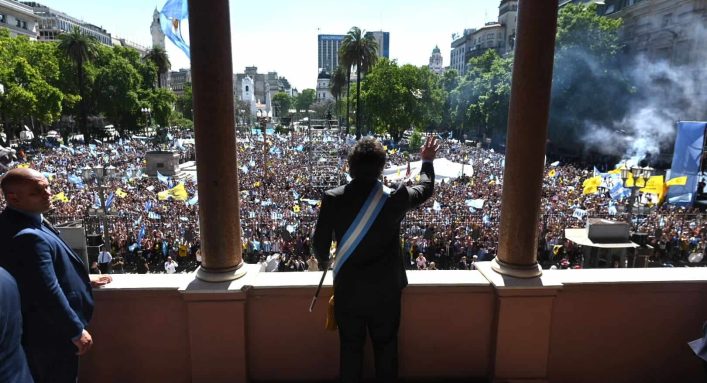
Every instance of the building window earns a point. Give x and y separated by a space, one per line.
24 25
3 18
18 23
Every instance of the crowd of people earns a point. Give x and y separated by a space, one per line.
279 202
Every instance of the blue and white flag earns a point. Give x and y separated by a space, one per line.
163 179
194 200
244 169
109 200
617 191
68 149
436 206
141 235
76 180
96 201
153 215
172 17
148 205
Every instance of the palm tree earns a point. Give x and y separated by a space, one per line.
80 48
158 56
358 49
338 81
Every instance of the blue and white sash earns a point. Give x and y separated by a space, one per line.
359 227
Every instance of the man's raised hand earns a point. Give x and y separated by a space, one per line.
429 149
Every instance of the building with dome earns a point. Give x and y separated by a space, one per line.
436 61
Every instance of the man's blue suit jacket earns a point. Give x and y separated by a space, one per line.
13 363
57 300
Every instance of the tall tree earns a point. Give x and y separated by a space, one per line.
358 49
283 101
81 49
401 98
338 82
158 56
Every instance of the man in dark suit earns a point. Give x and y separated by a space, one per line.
55 290
368 286
13 363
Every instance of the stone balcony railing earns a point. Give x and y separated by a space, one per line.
601 325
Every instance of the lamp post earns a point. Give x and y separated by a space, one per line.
263 119
97 176
147 112
637 173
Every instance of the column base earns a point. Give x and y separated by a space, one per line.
220 275
530 271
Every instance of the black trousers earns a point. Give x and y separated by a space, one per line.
381 321
53 363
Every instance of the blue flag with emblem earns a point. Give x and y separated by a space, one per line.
360 225
172 17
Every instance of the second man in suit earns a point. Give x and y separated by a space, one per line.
55 289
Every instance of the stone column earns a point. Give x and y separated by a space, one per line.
527 134
216 168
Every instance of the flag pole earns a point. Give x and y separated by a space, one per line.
319 288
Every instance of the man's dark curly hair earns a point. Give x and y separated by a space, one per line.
367 159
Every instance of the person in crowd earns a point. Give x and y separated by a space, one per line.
170 266
105 261
56 295
312 264
368 285
421 262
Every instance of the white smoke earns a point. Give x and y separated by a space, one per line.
665 93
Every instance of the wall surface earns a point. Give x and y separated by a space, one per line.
623 325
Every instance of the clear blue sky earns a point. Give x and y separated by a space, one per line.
281 35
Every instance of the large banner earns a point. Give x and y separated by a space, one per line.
687 159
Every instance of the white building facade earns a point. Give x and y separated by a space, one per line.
52 23
18 18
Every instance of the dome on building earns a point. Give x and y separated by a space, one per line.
436 50
323 74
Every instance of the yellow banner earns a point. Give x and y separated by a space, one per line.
178 192
60 197
120 193
677 181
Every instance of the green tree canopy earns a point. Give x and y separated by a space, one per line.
401 98
283 101
305 99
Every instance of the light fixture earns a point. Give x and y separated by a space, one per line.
624 172
637 171
647 172
110 171
86 173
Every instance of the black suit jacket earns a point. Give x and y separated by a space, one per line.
13 363
57 300
375 271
